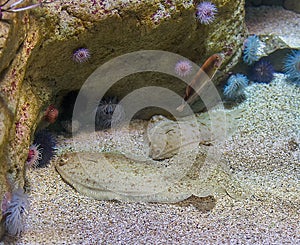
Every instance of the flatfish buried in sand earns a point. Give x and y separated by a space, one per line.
175 177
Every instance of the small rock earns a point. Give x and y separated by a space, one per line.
293 5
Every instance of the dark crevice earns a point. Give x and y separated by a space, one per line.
5 71
20 47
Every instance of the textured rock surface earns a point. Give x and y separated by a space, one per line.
293 5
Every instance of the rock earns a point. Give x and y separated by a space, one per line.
275 49
293 5
272 2
5 125
255 2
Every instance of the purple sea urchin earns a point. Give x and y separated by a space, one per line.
81 55
292 66
47 144
252 49
109 113
183 68
34 155
16 212
262 71
235 86
206 12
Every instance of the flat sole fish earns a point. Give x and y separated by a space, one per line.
114 176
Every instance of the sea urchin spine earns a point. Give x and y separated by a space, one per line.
34 156
16 212
262 71
109 113
81 55
235 86
206 12
183 68
252 49
47 144
292 66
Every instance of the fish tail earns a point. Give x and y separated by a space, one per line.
181 107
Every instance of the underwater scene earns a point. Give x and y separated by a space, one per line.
150 121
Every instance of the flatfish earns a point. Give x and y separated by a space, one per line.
168 175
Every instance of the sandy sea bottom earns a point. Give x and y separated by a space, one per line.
263 154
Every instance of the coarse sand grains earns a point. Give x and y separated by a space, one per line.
263 153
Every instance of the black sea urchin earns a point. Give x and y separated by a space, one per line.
109 113
47 144
262 71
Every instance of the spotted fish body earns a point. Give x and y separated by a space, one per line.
166 137
200 81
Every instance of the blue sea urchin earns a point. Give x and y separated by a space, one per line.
252 49
47 145
109 113
292 66
183 68
16 212
235 86
206 12
262 71
81 55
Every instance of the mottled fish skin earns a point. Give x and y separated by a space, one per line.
204 75
166 137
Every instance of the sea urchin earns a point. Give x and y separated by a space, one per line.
81 55
235 86
16 212
109 113
183 68
34 156
262 71
252 49
206 12
292 66
47 144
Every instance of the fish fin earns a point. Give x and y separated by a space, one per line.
181 107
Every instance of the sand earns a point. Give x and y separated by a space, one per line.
263 154
274 20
